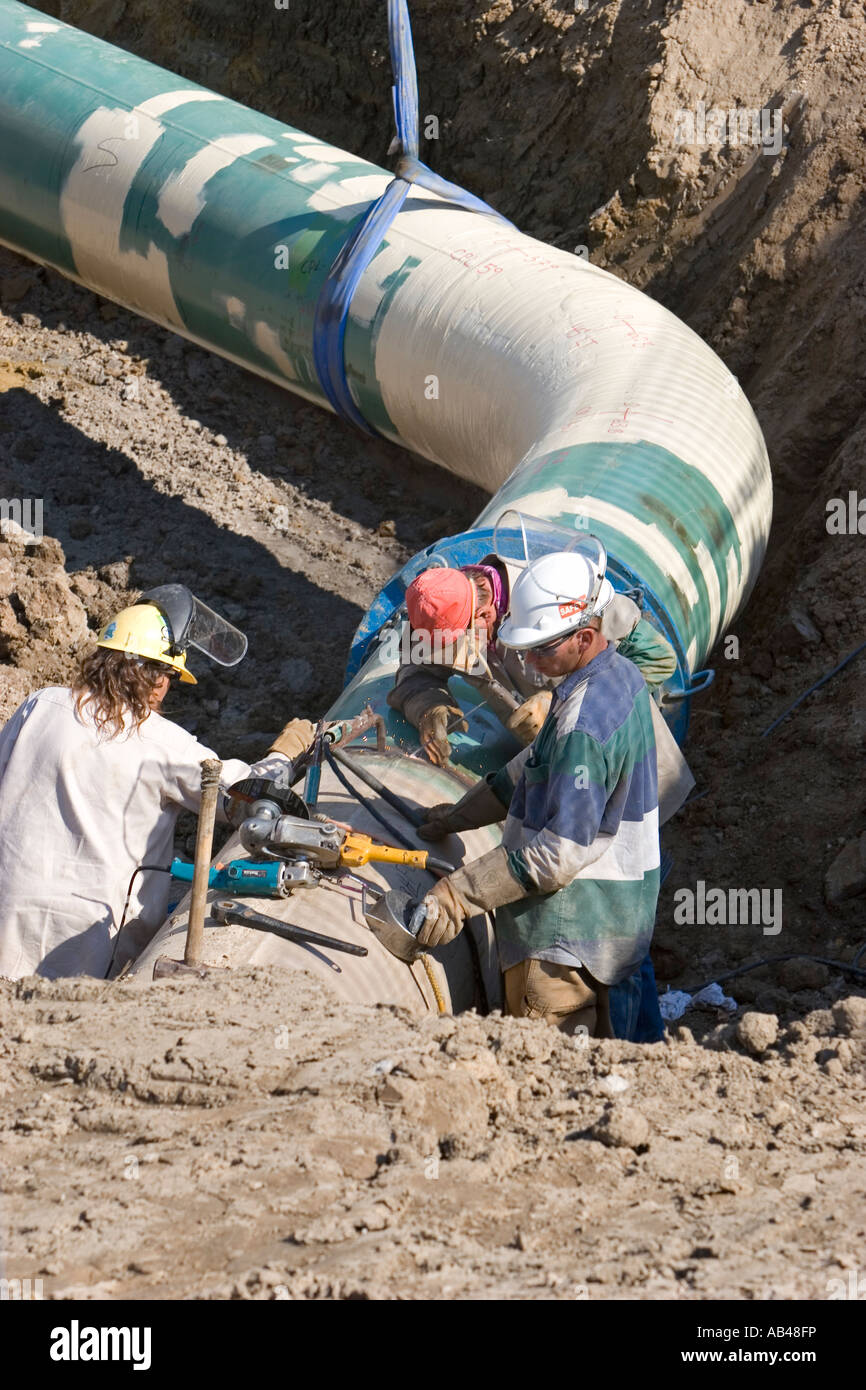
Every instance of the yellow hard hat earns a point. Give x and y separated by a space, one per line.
142 631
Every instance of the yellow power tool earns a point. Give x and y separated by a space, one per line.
357 850
309 847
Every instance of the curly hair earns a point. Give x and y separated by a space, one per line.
113 684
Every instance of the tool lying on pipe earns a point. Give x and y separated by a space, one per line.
247 877
318 845
395 919
229 913
274 823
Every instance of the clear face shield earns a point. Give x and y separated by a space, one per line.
519 539
193 624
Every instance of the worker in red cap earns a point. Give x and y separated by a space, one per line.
441 600
460 611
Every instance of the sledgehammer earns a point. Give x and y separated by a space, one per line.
210 783
210 786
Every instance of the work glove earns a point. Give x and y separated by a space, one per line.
478 887
480 806
433 732
527 719
295 738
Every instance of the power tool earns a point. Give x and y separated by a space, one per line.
288 849
396 919
323 845
270 879
332 736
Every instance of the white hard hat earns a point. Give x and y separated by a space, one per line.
555 595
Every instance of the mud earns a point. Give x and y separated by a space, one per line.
235 1138
155 461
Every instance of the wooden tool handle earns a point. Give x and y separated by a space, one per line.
210 785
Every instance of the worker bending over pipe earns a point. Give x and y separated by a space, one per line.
92 780
461 612
575 881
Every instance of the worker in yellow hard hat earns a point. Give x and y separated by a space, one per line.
142 631
92 780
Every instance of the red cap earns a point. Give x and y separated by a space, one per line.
440 600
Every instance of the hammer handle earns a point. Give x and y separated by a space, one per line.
210 785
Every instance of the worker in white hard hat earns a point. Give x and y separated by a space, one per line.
92 779
575 881
516 688
464 604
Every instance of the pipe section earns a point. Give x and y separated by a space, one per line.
521 367
554 385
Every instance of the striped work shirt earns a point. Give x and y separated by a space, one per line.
582 827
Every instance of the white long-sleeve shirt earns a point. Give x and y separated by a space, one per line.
79 813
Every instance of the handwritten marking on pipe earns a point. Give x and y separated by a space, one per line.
582 336
92 212
620 422
466 257
108 163
638 339
620 418
497 247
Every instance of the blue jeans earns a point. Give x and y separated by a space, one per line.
634 1006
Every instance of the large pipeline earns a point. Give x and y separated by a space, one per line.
528 370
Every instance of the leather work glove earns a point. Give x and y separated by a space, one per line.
478 887
433 731
480 806
295 738
527 719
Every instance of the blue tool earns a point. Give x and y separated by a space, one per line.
270 879
314 766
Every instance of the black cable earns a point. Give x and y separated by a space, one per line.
436 864
368 806
142 868
817 686
364 801
843 965
415 815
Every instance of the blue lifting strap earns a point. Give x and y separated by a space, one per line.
337 292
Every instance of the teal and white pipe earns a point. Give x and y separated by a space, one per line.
561 389
523 368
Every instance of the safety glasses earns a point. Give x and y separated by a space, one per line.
550 647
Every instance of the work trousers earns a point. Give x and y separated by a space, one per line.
571 999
